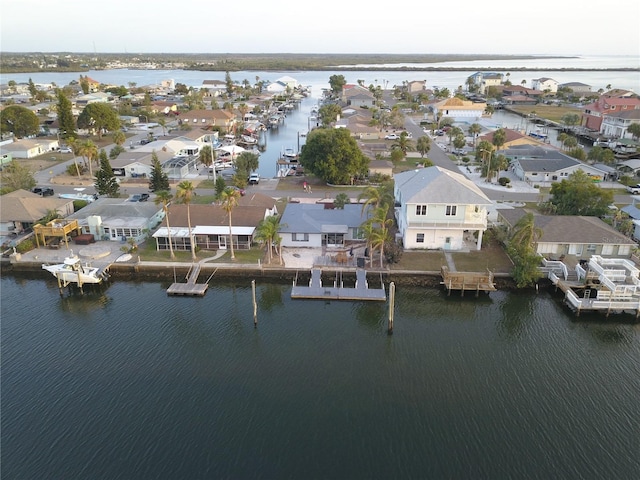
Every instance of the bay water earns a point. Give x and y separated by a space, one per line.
125 382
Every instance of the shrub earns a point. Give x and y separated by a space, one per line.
504 181
392 252
25 246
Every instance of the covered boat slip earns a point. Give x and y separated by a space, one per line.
315 289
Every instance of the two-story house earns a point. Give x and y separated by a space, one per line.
594 113
439 209
545 84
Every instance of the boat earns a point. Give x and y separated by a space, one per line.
73 271
87 197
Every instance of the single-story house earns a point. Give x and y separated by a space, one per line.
439 209
20 210
580 236
210 226
544 166
116 219
318 225
29 147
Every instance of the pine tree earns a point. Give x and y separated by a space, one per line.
159 180
106 183
66 122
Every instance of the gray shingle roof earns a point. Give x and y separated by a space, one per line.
311 217
436 185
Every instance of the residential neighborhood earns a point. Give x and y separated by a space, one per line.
441 206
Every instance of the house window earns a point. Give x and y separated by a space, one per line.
420 238
358 233
451 210
591 248
421 209
300 237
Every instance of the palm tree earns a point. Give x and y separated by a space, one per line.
164 197
376 196
423 145
267 233
119 137
474 130
229 200
377 231
89 152
403 143
184 194
75 147
525 235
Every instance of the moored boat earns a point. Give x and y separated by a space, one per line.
73 271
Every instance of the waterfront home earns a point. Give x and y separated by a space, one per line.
543 166
576 87
213 88
483 80
357 96
545 84
616 124
223 119
437 208
580 236
117 219
320 225
457 109
20 210
210 226
512 138
594 113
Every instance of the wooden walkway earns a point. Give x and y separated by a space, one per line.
338 291
191 288
467 281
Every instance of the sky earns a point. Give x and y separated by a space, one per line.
562 27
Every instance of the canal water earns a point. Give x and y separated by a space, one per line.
128 383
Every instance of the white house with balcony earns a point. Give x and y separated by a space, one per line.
437 208
545 84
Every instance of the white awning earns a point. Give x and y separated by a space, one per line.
175 232
219 230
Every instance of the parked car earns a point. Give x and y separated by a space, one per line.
392 136
139 197
238 189
634 189
43 191
66 150
254 179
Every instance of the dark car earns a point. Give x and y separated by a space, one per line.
139 197
43 191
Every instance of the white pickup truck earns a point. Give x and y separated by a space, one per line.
634 189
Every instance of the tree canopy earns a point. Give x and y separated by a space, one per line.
158 180
578 195
336 82
334 156
106 183
99 117
19 120
66 122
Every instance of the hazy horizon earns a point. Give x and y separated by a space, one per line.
330 27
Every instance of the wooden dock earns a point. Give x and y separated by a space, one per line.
315 289
191 288
467 281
